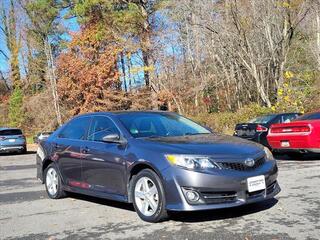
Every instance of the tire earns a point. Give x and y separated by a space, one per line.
24 150
146 190
53 183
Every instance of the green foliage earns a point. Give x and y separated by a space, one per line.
16 113
43 13
225 121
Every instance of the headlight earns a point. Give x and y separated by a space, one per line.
191 162
269 155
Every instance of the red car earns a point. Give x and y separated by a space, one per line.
302 135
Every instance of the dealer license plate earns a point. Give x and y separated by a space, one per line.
256 183
285 144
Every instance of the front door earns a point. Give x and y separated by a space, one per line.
103 164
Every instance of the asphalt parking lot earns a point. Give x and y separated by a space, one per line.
27 213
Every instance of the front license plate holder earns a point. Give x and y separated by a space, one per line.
256 183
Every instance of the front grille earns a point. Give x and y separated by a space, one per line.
271 187
218 197
255 194
241 166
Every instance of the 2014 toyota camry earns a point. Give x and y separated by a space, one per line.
159 161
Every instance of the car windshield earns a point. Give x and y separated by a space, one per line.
262 119
309 116
10 132
160 125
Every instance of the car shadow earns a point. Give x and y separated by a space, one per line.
197 216
222 214
16 153
304 157
102 201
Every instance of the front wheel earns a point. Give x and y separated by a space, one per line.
53 183
148 196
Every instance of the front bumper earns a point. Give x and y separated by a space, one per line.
17 148
221 189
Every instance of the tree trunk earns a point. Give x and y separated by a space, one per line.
53 81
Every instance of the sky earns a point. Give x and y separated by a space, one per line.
72 25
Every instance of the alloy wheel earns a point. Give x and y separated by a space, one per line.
146 196
52 181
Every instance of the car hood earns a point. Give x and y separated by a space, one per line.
204 144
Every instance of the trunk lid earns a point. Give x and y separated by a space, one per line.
245 130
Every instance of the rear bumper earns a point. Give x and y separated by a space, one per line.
258 137
12 148
307 142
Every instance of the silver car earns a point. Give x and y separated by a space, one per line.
12 140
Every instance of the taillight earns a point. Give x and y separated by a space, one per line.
2 138
294 129
261 128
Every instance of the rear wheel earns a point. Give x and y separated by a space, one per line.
24 150
148 196
53 183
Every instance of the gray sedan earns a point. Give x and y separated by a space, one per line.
159 161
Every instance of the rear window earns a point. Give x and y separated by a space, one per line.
309 116
10 132
262 119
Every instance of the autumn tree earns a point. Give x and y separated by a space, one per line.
43 35
88 74
12 39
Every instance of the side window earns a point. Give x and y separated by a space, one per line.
289 118
100 127
76 129
277 120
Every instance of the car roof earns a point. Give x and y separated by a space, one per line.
114 113
279 114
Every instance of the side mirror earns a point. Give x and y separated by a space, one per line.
113 138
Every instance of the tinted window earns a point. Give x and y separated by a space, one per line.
10 132
289 118
100 127
160 125
310 116
76 129
262 119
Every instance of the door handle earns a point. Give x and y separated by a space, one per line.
85 150
56 146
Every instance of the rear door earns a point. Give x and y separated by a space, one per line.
103 165
67 150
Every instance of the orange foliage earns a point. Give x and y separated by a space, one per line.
88 78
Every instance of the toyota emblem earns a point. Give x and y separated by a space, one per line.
249 162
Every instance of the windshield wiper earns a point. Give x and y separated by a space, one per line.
190 134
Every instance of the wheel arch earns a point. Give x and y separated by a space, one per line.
135 170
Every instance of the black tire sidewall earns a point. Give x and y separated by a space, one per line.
161 212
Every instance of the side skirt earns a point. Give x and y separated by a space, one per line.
109 196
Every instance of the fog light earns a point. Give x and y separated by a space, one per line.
192 196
